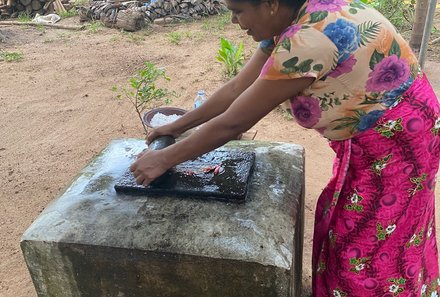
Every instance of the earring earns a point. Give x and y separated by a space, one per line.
271 12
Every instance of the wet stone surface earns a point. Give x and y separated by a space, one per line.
92 241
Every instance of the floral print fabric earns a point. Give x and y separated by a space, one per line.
361 65
375 225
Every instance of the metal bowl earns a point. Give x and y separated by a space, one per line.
166 110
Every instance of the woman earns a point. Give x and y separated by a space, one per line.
352 78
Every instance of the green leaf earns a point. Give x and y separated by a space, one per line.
387 158
291 62
345 125
289 70
286 44
359 5
359 112
231 56
358 208
222 56
395 49
376 57
318 16
302 13
368 31
225 44
305 65
353 11
318 67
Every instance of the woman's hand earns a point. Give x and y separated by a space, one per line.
149 166
161 131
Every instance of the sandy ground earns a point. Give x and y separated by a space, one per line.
57 111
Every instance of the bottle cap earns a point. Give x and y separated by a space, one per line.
201 92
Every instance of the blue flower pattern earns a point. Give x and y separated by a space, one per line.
391 97
368 120
345 35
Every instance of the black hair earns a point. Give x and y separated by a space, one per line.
296 4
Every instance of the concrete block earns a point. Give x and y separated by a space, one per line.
94 242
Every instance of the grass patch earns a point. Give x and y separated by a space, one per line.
217 23
11 56
69 13
94 27
135 38
24 17
175 37
400 13
40 28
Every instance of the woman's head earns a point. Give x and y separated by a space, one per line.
296 4
263 19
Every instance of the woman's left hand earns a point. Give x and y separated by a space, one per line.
149 166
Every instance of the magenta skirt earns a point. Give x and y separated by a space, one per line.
375 226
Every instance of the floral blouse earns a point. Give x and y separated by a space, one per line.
361 64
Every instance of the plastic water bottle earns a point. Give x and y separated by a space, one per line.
200 98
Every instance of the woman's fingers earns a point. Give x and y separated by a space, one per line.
151 136
140 179
147 167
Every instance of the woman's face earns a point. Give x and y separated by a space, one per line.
256 19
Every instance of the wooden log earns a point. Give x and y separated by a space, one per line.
28 9
59 7
436 40
36 5
46 6
130 20
56 26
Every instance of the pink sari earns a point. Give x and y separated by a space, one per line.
375 225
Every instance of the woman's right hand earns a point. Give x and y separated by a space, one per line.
160 131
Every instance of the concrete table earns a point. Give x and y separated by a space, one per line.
94 242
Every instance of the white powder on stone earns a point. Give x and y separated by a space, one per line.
159 119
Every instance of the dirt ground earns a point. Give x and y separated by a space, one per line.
57 111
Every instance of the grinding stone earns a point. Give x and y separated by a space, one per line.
194 178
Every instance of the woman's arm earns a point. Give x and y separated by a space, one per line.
219 101
252 105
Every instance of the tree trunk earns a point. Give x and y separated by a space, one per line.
36 5
419 24
130 20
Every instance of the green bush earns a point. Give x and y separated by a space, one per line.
399 12
144 94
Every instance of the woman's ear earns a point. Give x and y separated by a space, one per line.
273 6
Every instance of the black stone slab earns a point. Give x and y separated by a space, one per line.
195 178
